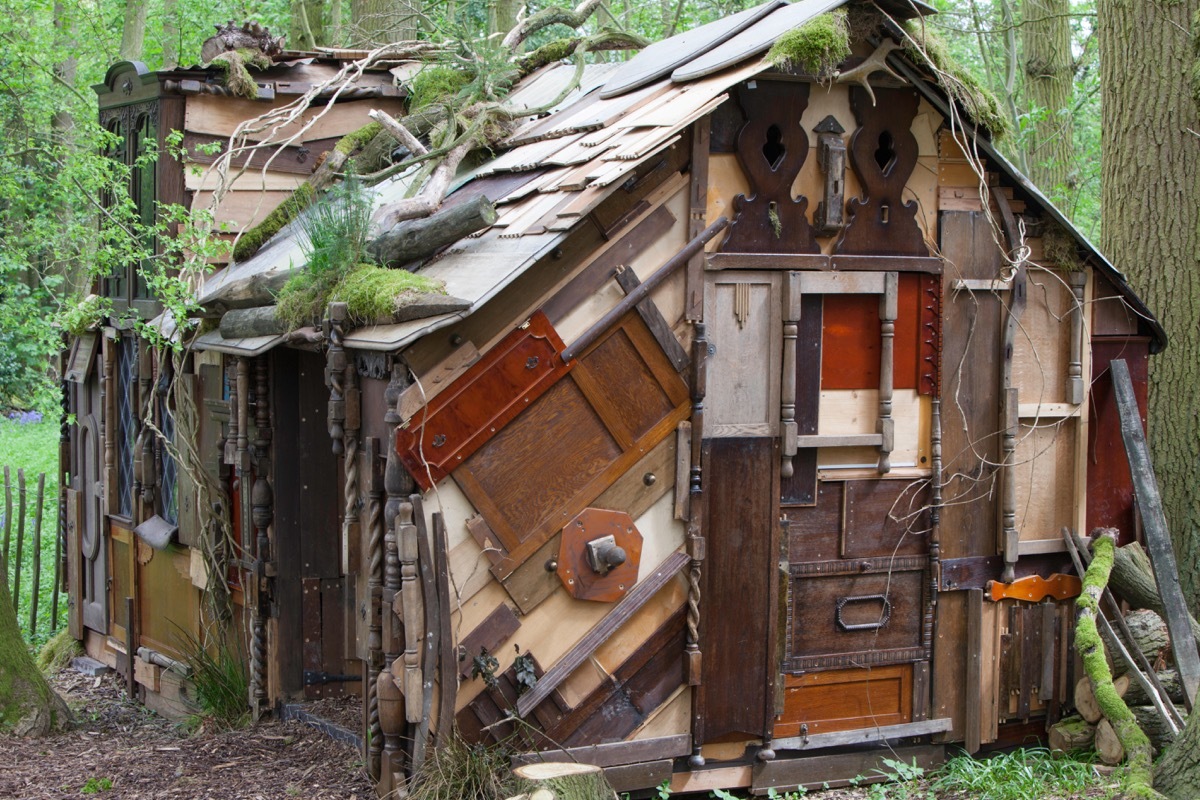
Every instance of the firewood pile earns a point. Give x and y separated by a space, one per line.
1138 649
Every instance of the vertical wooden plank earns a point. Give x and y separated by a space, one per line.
74 572
310 614
1158 539
974 703
801 487
735 600
693 306
1109 484
332 636
970 442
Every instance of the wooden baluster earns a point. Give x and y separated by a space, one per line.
335 375
108 426
787 390
413 608
262 510
888 310
1075 393
1008 497
375 519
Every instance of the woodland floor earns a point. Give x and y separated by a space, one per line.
120 749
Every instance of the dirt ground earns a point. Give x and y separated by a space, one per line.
120 749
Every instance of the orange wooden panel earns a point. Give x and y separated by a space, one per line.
850 339
481 401
846 699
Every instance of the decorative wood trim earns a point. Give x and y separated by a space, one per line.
840 440
693 304
622 611
805 262
888 311
858 566
614 754
898 655
819 741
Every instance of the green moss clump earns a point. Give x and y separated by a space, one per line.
371 292
1060 250
816 47
253 239
435 84
980 105
58 652
351 143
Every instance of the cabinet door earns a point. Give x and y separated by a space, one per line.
743 315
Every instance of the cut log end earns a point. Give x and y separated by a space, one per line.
562 781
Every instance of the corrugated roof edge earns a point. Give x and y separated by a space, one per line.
939 101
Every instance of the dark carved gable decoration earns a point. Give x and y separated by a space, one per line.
883 153
771 148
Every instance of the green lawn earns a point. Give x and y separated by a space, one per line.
33 447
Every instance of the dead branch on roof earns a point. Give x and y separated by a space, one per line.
554 15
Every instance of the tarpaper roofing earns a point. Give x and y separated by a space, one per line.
558 166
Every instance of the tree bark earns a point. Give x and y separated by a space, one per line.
133 32
1150 197
378 22
28 706
243 323
306 28
1049 82
415 239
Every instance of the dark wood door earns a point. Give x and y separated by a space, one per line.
308 590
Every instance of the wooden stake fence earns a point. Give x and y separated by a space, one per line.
36 544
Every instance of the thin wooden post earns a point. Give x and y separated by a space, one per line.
1158 538
7 511
37 554
20 541
58 555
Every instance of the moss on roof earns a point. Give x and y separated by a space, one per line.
816 47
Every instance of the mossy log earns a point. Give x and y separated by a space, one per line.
1091 650
244 323
1071 733
562 781
415 239
249 292
1169 678
1108 744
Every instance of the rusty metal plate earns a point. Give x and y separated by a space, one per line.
582 579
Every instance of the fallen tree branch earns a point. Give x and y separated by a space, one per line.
555 15
1091 649
399 130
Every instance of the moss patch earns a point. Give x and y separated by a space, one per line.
233 66
1060 250
58 652
435 85
372 292
816 47
980 105
253 239
351 143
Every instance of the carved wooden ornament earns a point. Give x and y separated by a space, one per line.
599 555
883 154
771 148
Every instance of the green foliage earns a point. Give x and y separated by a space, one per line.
335 232
33 446
1024 773
980 104
220 676
372 293
816 47
435 85
96 786
58 652
85 314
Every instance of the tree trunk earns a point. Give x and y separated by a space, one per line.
415 239
133 33
1151 230
378 22
28 706
170 37
1049 81
1177 774
306 28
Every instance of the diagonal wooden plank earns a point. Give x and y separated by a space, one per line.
1154 525
628 605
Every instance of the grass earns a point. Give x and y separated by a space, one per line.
33 447
220 676
1021 774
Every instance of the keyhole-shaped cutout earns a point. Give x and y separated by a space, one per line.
885 156
773 148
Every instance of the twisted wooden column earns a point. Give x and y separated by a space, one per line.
695 534
335 375
386 560
262 503
374 591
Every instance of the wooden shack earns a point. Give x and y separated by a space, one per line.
759 389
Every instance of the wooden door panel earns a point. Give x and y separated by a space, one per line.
847 618
846 699
736 595
744 317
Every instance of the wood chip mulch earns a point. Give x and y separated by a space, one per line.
120 749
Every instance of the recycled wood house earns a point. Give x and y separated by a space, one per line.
754 386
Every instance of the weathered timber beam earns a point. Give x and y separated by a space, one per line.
256 290
243 323
415 239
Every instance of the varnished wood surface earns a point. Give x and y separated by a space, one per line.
735 596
